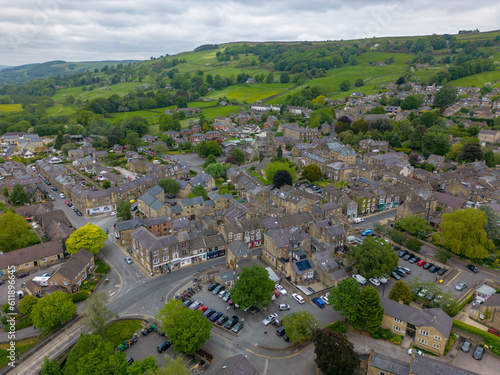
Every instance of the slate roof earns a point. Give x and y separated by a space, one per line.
156 220
128 224
325 260
238 248
192 201
339 274
449 200
422 365
75 264
390 365
417 317
335 230
237 365
29 254
155 190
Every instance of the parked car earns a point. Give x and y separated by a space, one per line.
218 289
163 346
202 308
231 322
367 232
254 310
414 260
324 299
281 289
269 319
311 290
129 359
426 266
128 260
466 346
280 331
406 269
408 256
494 331
226 297
461 286
298 298
360 279
400 272
473 268
421 263
422 293
478 352
419 352
23 274
187 302
395 275
237 327
215 317
319 302
283 307
382 279
442 271
213 286
374 281
434 269
195 305
358 220
222 293
147 330
402 253
208 313
223 319
395 248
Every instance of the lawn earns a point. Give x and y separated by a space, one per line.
120 89
250 93
11 107
101 266
478 80
213 112
117 332
22 346
260 178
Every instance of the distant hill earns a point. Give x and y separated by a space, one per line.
25 73
2 67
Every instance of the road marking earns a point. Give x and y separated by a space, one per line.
459 272
265 367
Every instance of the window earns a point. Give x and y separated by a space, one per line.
435 346
155 253
424 333
184 244
44 260
65 283
201 251
396 328
27 265
422 341
165 258
175 255
195 252
174 247
438 338
156 261
398 320
184 252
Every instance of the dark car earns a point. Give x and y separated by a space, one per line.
408 256
218 289
163 346
426 266
129 359
402 253
215 317
442 271
286 338
400 272
187 302
433 269
414 260
21 275
396 248
474 269
478 352
147 330
171 196
231 322
280 331
54 188
223 319
254 310
395 275
78 213
466 346
213 286
237 327
208 313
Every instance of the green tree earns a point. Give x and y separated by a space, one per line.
123 210
369 312
341 126
106 184
373 258
413 244
284 78
463 233
190 331
59 141
239 155
97 314
169 185
446 96
276 166
89 237
253 288
359 82
92 355
26 304
416 226
175 366
146 366
169 314
133 140
199 191
489 159
334 353
209 160
18 196
215 170
15 232
401 292
282 177
491 226
345 297
50 367
270 77
412 102
299 326
345 85
5 192
52 310
205 148
435 143
312 172
471 152
360 126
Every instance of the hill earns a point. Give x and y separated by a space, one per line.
25 73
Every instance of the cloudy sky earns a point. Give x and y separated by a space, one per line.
87 30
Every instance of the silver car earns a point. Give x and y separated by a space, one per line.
461 286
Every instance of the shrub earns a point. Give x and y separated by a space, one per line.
338 326
79 296
413 244
374 336
450 343
396 340
489 338
6 307
384 334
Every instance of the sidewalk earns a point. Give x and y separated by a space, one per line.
22 334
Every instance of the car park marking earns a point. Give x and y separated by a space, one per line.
448 283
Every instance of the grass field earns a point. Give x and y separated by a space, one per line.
220 111
11 107
250 93
21 346
121 89
116 333
478 80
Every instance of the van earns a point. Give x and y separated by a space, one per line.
41 280
62 196
358 220
163 346
20 294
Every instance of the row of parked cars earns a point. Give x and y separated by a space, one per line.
411 258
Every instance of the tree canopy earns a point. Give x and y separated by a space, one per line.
282 177
18 196
446 96
123 210
299 326
491 227
169 185
312 172
463 233
97 314
199 191
373 258
205 148
253 288
416 226
89 237
52 310
334 353
214 169
401 292
345 297
369 313
15 232
272 168
239 155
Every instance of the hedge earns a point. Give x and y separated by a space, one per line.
79 296
489 338
338 326
396 339
450 343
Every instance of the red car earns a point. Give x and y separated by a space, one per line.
67 202
277 293
203 308
420 263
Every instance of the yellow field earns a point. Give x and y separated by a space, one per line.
11 107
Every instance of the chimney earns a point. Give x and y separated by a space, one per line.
401 302
434 319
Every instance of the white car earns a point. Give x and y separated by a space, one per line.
324 299
422 293
281 289
358 220
270 318
410 351
284 306
298 298
360 279
113 213
382 279
374 281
